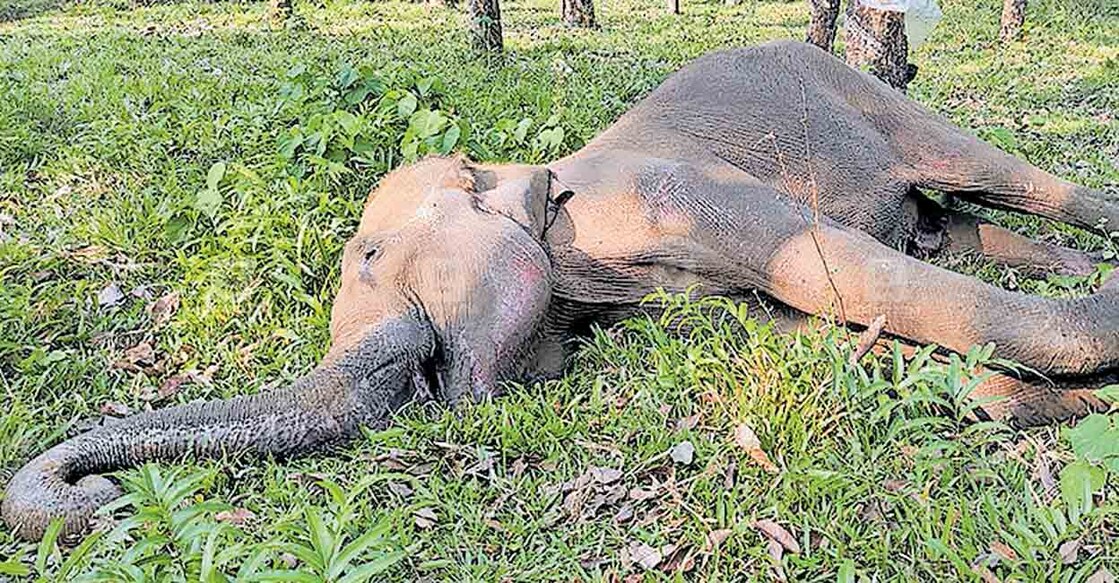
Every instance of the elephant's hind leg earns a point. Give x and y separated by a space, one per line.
968 233
941 157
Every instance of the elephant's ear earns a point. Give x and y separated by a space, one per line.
518 192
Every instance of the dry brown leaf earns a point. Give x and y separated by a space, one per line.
170 387
894 486
778 533
985 574
115 409
644 555
1069 551
139 356
689 422
639 494
400 489
680 561
624 514
745 437
1101 576
237 516
162 309
716 538
519 466
109 296
1003 551
425 518
682 453
776 552
605 475
141 292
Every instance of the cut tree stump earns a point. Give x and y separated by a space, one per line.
1013 18
876 41
578 13
821 24
280 10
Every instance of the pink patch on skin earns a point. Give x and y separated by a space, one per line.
513 305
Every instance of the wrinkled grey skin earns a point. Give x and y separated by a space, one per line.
773 172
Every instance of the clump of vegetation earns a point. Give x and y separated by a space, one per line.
176 183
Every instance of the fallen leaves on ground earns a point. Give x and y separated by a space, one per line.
140 357
682 453
647 557
595 489
745 437
115 409
164 308
109 296
425 518
1069 551
777 533
236 516
716 538
1101 576
1003 551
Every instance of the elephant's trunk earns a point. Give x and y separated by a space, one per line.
328 405
63 481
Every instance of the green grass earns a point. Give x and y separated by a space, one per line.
192 148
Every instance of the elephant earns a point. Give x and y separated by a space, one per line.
773 174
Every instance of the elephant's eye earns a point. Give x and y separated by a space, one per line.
370 252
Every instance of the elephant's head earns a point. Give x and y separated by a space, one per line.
443 289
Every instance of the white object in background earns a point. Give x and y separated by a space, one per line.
920 20
921 16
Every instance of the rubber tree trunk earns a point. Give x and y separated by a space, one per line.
674 6
1013 17
281 10
876 41
578 13
485 23
821 23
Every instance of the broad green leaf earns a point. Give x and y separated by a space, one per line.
1110 393
214 175
375 567
1079 481
406 105
450 139
14 568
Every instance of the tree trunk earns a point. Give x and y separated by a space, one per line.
821 24
485 22
578 13
1013 17
876 40
674 6
281 10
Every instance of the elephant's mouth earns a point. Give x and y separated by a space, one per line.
429 378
